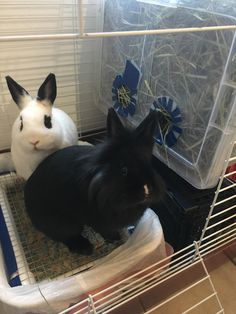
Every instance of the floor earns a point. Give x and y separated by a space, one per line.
222 269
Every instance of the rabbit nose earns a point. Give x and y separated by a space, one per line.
34 142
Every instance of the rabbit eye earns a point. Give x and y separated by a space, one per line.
124 171
21 123
47 122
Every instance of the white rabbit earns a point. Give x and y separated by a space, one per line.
40 129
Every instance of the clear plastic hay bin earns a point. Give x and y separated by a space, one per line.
196 70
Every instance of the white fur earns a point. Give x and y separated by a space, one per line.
63 133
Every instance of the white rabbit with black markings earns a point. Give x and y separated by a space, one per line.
40 129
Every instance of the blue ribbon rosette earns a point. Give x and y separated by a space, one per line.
168 130
124 90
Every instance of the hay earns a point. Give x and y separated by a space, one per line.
46 258
187 67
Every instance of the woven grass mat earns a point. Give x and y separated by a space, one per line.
46 258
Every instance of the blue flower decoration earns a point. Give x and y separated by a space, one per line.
168 130
124 90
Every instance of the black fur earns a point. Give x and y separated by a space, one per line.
47 122
48 90
21 123
101 186
17 91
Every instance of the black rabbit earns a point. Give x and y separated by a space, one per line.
107 186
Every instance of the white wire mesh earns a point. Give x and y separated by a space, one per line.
38 258
29 62
113 297
212 237
124 292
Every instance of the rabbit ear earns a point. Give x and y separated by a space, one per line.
18 93
48 90
147 127
114 125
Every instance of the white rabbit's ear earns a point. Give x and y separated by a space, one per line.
18 93
48 90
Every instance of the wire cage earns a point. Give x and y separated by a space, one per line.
70 44
123 292
111 298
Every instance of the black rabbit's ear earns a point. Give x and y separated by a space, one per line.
48 90
18 93
147 127
114 125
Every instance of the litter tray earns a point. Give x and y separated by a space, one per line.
29 255
36 273
195 70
